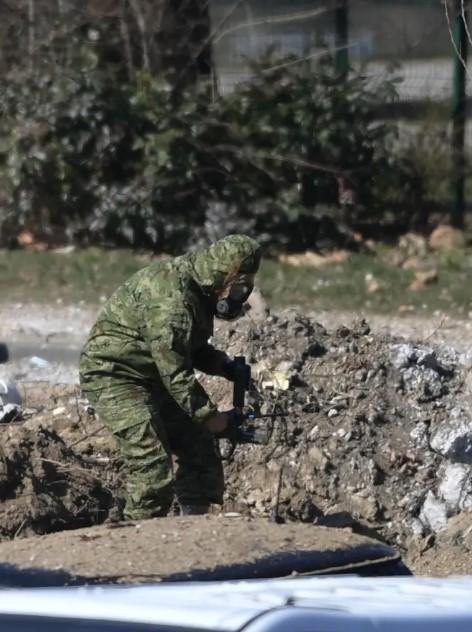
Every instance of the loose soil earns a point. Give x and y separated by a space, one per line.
362 449
197 547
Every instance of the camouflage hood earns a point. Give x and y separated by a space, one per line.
232 255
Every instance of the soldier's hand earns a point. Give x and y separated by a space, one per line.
217 423
225 424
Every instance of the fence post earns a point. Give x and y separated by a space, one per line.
459 96
341 38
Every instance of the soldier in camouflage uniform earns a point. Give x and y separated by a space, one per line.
137 370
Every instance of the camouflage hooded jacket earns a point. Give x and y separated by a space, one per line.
155 327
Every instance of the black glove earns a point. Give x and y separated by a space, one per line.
229 369
233 429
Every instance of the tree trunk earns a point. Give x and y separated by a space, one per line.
126 38
186 41
31 34
137 10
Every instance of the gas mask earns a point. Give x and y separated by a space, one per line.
231 306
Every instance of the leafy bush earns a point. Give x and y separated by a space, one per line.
86 158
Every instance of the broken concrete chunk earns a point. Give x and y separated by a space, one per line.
455 488
39 363
445 238
434 513
423 373
403 355
318 458
364 507
9 413
453 437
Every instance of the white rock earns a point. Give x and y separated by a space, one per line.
39 363
455 487
59 411
453 438
434 513
417 527
403 355
9 413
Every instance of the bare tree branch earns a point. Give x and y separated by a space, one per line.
300 60
464 17
282 19
451 35
141 22
211 36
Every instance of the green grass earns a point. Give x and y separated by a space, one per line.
91 275
344 286
84 275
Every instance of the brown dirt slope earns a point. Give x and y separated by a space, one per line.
196 547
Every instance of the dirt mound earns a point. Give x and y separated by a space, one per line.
377 436
197 548
447 552
45 484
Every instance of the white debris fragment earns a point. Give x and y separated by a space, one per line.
39 363
403 355
434 513
455 487
417 527
9 412
453 438
61 410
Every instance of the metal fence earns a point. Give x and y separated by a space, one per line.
411 40
411 35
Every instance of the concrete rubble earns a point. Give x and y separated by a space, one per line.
378 434
10 403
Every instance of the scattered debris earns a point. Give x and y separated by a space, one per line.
422 279
26 239
372 284
9 413
39 363
446 238
409 252
377 428
377 439
316 260
406 309
433 513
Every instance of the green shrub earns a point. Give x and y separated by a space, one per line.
86 158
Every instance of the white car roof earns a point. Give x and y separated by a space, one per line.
390 602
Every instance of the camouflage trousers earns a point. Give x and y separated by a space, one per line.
151 429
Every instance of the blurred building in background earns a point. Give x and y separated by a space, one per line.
411 35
